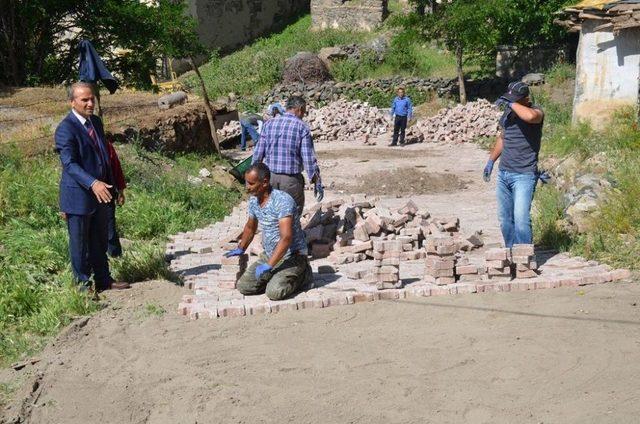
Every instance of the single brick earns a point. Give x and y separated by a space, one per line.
522 250
497 254
499 271
258 309
620 274
439 272
525 260
435 262
445 280
528 273
496 264
361 297
466 269
391 294
225 310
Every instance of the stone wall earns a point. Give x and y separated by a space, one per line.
513 63
348 14
228 24
331 90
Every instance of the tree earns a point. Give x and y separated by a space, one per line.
466 27
39 38
529 23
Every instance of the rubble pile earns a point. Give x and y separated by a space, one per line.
345 120
460 124
358 230
230 129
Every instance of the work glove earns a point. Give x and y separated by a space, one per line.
234 252
486 174
261 269
544 176
503 102
318 190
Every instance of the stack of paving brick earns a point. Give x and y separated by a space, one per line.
523 256
467 272
386 264
498 264
231 270
441 260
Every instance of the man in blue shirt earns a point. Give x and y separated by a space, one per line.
286 147
283 268
401 112
518 146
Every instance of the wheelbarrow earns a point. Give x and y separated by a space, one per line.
239 170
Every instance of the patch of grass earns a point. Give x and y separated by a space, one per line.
559 73
548 210
151 309
615 224
258 67
37 294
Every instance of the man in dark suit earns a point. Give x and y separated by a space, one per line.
86 189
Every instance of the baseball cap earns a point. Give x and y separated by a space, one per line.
516 91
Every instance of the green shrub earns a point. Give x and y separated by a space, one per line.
37 294
559 73
548 210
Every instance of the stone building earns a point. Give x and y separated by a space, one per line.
228 24
362 15
608 57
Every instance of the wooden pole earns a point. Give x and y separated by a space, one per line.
463 91
207 106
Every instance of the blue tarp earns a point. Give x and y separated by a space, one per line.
92 68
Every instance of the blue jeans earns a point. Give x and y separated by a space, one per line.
247 129
515 194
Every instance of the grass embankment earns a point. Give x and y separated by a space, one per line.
615 226
37 296
258 67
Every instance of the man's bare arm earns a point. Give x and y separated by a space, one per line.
286 236
497 148
248 233
527 114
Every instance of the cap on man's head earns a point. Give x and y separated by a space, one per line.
516 90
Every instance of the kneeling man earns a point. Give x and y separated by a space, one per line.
283 268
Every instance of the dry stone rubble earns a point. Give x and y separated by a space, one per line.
459 124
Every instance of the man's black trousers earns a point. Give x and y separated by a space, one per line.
399 128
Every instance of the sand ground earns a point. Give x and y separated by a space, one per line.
544 356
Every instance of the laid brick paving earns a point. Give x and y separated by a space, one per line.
197 257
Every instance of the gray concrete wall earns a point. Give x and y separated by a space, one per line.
228 24
607 72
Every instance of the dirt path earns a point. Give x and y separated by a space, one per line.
567 355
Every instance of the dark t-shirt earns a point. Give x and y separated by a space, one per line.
521 143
